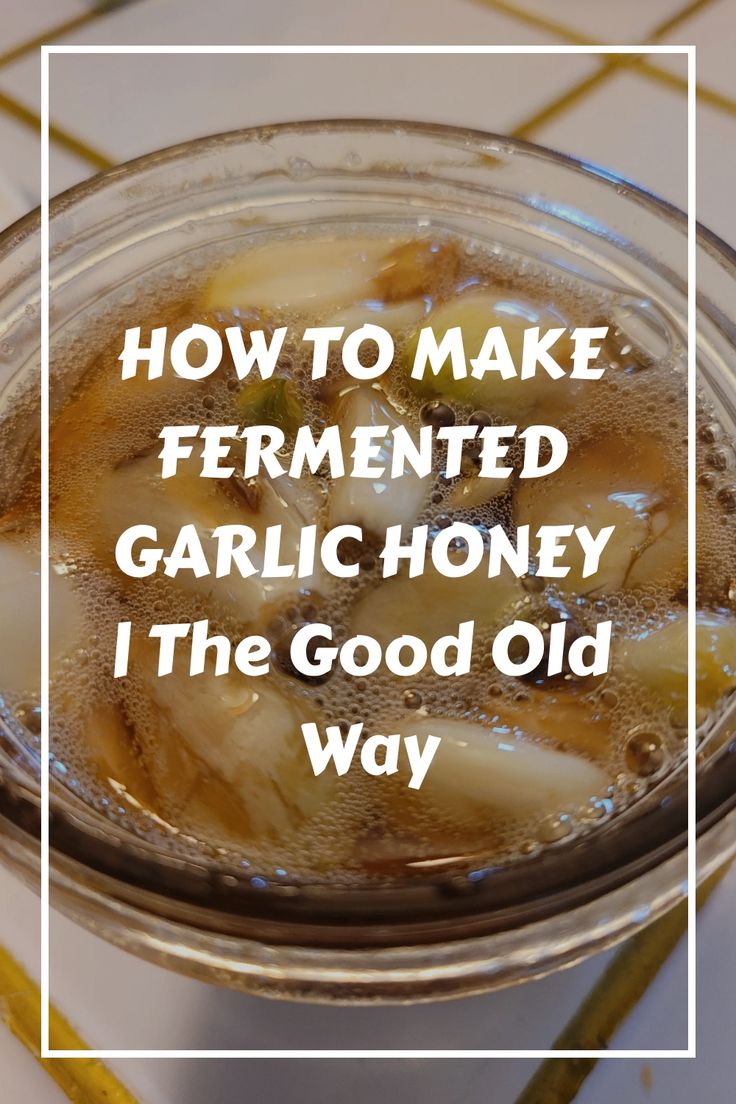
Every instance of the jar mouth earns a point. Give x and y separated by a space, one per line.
567 875
471 139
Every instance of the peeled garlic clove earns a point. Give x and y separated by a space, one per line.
391 316
597 511
625 482
20 614
416 268
494 767
571 723
293 503
657 659
97 448
474 491
245 731
135 493
431 605
111 745
716 580
298 275
20 609
376 503
475 312
289 502
666 557
715 646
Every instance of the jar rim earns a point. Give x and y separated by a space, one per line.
29 223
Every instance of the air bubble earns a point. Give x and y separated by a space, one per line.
726 498
639 335
555 828
609 698
300 168
717 459
29 715
644 753
709 433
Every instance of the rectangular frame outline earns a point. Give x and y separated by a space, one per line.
690 52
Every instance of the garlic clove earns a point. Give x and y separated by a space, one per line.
473 490
431 605
304 274
378 503
657 658
20 612
559 716
421 267
625 482
496 768
476 311
135 493
245 731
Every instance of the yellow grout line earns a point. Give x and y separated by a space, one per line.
567 99
678 17
100 161
569 34
33 44
23 114
82 1080
612 998
611 66
557 1080
637 62
57 31
63 138
705 94
560 30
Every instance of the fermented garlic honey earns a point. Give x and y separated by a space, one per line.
212 758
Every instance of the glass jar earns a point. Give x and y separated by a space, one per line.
447 935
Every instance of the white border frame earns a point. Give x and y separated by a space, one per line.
46 52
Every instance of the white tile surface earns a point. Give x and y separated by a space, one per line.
624 21
713 30
633 126
717 172
13 203
710 1077
639 128
317 1081
124 105
181 1013
23 21
21 169
178 1012
129 105
22 1078
115 1000
222 21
